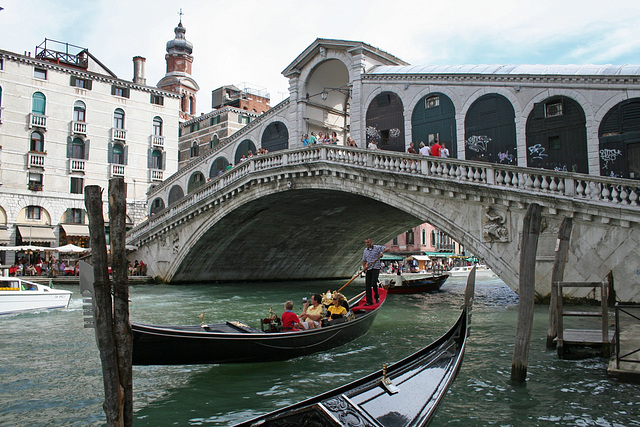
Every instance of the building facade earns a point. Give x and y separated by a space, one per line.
66 121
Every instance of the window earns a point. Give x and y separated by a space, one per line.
395 241
215 120
34 213
79 110
156 159
157 99
554 142
40 73
214 141
553 109
118 118
424 237
194 127
37 142
35 181
194 149
77 185
80 83
1 64
118 154
75 216
157 126
239 118
432 102
38 103
77 149
120 91
410 237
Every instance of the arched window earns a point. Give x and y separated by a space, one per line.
157 126
214 141
118 154
194 149
156 159
37 142
77 149
118 118
79 110
38 103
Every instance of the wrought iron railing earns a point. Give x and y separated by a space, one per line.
632 312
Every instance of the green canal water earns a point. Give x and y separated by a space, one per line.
50 372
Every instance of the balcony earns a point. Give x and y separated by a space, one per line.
157 141
118 134
116 171
79 128
156 175
35 159
38 121
35 186
76 165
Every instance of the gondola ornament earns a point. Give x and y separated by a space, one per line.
386 382
202 324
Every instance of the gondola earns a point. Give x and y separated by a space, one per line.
235 342
406 393
431 283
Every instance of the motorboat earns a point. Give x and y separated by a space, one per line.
405 393
18 295
236 342
414 283
463 271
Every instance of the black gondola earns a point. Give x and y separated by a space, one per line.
234 342
431 283
406 393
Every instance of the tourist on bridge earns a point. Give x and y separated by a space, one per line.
412 148
444 151
372 145
371 263
435 148
424 149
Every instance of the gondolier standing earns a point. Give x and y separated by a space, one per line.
371 263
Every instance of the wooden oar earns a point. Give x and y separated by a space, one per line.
359 272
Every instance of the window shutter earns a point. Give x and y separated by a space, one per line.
149 158
86 149
69 147
126 155
162 160
72 81
110 153
88 83
113 90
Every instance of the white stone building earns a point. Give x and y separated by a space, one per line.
66 121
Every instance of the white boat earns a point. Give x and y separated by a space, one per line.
21 295
463 271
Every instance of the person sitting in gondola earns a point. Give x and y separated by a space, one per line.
312 315
337 310
290 320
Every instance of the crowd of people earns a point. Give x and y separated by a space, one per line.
316 312
324 138
41 267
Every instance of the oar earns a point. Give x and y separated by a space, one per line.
358 273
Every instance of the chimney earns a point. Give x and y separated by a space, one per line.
138 70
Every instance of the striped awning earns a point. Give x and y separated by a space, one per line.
4 236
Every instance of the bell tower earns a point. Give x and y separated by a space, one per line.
178 77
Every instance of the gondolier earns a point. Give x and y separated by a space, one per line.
371 264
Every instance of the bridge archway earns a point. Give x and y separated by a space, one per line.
176 193
156 206
275 137
385 122
557 135
619 140
195 180
490 130
434 117
219 165
243 149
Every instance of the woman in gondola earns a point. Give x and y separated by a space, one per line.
337 310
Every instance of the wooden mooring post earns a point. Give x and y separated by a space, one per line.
560 260
528 249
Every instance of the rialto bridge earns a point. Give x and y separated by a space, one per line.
304 213
566 137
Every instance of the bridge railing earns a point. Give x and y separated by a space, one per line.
603 190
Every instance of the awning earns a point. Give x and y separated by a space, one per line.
4 236
36 234
419 257
440 254
390 257
77 230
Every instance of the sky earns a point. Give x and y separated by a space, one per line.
250 42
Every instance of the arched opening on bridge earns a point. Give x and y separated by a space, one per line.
218 167
275 137
176 193
327 96
557 136
195 181
156 206
434 117
243 150
385 122
619 136
490 130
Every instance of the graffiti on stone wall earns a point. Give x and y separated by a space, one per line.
505 157
394 133
373 133
494 226
537 152
609 155
176 243
478 143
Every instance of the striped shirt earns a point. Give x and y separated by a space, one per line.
371 255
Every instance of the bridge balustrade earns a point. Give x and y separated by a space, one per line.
602 190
